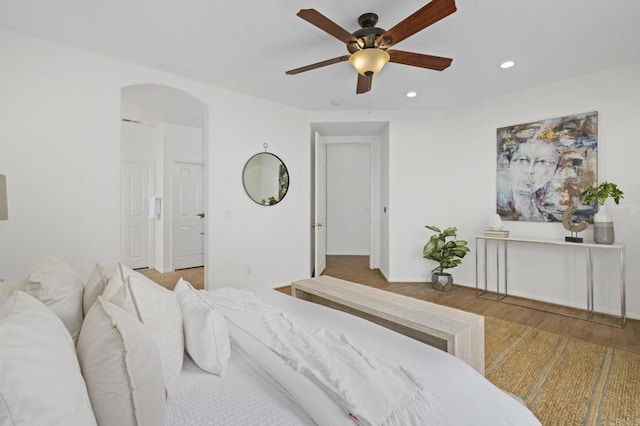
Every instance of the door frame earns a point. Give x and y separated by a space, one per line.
375 188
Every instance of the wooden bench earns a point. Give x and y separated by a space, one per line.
454 331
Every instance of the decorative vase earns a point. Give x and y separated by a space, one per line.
442 281
496 223
603 227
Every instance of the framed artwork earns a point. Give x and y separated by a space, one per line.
543 166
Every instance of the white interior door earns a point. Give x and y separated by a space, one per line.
134 250
320 207
188 227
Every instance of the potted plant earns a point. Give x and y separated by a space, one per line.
603 232
447 251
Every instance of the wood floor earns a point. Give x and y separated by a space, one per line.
168 280
356 269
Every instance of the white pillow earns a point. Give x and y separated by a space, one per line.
113 285
7 288
206 338
158 309
95 286
121 365
56 284
40 379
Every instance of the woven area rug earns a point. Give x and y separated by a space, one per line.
564 381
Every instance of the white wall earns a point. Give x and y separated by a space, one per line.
139 143
468 135
348 199
60 150
253 244
442 172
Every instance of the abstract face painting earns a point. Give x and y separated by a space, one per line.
543 166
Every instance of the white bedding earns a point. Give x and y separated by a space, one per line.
239 397
244 395
325 363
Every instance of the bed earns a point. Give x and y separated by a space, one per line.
256 385
452 382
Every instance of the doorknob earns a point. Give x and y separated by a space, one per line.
319 225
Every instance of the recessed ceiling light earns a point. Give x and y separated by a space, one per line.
411 94
507 64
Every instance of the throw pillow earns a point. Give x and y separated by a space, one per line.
206 338
56 284
95 286
121 365
40 378
113 285
158 309
7 288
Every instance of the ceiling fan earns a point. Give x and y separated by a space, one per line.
369 46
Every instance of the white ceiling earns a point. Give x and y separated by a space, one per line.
247 45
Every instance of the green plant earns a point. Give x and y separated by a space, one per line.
599 194
444 250
269 202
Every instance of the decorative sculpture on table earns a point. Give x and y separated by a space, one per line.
569 224
496 228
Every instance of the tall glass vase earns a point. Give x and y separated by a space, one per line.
603 232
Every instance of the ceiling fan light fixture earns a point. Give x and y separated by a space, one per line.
369 60
368 46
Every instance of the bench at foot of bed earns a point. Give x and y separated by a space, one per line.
457 332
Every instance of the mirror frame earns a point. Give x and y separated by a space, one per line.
283 179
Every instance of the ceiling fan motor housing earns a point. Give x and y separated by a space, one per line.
367 34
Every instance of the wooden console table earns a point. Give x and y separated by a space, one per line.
456 332
588 247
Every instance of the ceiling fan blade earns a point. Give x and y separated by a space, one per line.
418 21
314 17
364 83
437 63
318 65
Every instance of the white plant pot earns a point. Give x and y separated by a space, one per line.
603 232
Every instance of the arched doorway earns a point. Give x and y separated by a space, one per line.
163 178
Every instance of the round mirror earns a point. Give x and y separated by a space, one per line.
265 179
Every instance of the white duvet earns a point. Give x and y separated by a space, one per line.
369 390
458 394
